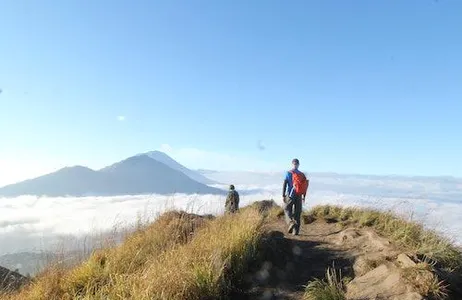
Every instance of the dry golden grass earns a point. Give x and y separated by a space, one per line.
425 282
208 266
407 234
59 282
162 261
267 208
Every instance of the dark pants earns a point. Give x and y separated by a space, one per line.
231 208
293 211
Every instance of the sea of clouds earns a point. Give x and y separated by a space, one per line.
30 223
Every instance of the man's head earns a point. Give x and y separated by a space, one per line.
295 163
231 187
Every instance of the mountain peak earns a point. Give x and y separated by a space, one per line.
156 152
140 159
76 168
167 160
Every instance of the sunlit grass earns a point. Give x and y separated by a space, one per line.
406 234
179 256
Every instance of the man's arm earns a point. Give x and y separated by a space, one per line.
284 187
307 187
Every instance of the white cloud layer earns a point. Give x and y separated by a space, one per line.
37 223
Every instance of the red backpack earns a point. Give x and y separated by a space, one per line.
300 183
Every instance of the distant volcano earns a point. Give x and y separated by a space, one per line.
140 174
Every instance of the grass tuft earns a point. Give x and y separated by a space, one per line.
330 288
425 282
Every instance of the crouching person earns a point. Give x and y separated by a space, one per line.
232 201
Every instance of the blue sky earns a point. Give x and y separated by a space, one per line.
347 86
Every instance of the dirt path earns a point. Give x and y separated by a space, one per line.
291 261
377 269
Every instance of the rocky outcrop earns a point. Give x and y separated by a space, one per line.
11 280
401 278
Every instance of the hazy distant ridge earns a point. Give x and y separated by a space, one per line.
140 174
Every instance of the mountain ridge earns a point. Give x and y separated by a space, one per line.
139 174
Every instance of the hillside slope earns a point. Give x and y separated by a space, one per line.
340 254
11 280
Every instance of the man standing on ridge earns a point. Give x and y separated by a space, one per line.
232 200
294 192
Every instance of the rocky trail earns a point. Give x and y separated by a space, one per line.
370 265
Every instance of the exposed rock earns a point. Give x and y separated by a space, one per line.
11 280
361 266
377 242
405 261
368 262
365 239
349 233
383 282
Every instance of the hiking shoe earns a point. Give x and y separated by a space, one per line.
291 226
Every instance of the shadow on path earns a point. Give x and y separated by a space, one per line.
287 264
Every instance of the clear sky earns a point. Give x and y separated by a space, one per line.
346 86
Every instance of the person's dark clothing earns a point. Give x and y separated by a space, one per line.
232 202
